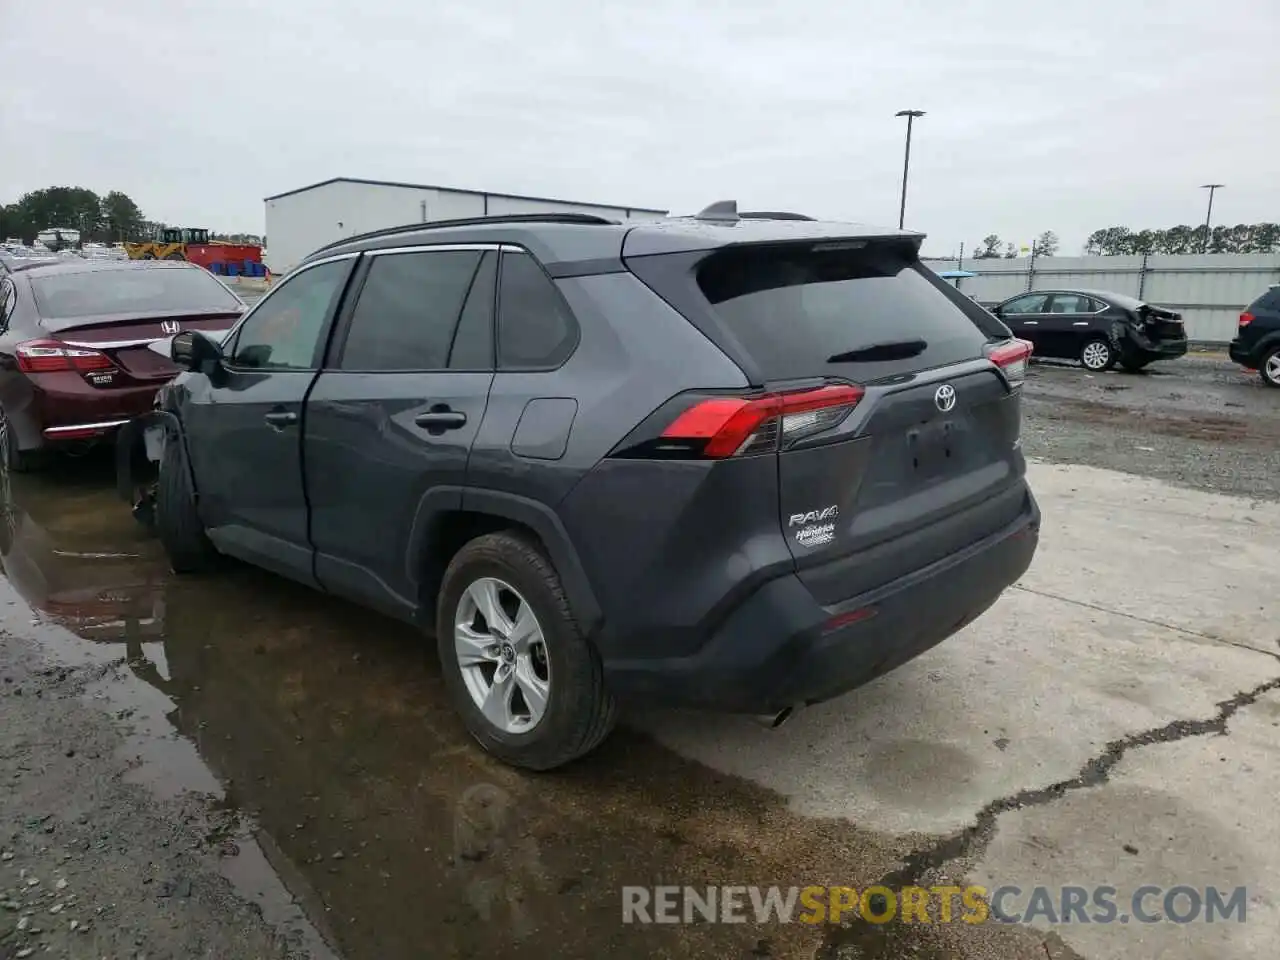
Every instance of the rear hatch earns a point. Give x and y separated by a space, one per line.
1260 318
108 319
896 414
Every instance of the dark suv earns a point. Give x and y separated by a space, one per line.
1257 345
744 463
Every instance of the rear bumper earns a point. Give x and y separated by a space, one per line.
1241 354
65 408
779 648
1148 350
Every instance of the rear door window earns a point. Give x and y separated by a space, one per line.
1268 303
860 313
1071 303
408 310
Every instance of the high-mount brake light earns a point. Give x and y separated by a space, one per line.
1012 356
720 427
52 356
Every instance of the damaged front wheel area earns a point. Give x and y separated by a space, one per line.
139 448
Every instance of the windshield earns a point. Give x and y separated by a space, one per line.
62 298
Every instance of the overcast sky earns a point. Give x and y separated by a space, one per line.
1041 115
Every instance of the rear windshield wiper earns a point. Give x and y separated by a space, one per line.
890 350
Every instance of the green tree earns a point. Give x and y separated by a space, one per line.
1266 238
120 216
74 207
988 248
1144 241
1047 244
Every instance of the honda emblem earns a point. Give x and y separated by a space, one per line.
170 326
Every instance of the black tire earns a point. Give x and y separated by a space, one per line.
174 256
580 712
1269 368
176 522
11 457
1134 366
148 256
1095 349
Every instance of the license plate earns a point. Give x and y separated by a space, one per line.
932 448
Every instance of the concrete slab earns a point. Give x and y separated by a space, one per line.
1198 812
1174 556
1021 699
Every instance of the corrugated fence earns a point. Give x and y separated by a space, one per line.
1208 290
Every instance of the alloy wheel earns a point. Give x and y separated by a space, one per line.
1096 355
1271 369
502 655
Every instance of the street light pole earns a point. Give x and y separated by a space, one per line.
906 162
1212 188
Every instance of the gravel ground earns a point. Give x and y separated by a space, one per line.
93 864
1200 422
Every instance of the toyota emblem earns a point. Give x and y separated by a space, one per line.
170 326
945 397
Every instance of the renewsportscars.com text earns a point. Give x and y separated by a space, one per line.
940 904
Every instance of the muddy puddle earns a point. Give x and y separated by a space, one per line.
350 793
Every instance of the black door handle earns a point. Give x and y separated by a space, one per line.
441 419
281 418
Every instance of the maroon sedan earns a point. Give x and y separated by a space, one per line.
75 346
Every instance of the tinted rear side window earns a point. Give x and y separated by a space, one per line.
1269 302
856 313
63 298
535 329
408 309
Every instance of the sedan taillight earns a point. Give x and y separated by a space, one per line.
52 356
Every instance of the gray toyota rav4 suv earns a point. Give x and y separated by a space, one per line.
744 462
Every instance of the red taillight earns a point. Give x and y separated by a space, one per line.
51 356
1246 319
732 426
1012 357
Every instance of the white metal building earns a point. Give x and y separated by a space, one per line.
304 219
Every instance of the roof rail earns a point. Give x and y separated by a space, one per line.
774 215
581 218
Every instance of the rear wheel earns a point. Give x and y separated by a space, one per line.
176 521
1269 369
1097 356
528 684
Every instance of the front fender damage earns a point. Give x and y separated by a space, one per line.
139 444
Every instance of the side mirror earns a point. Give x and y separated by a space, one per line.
194 351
